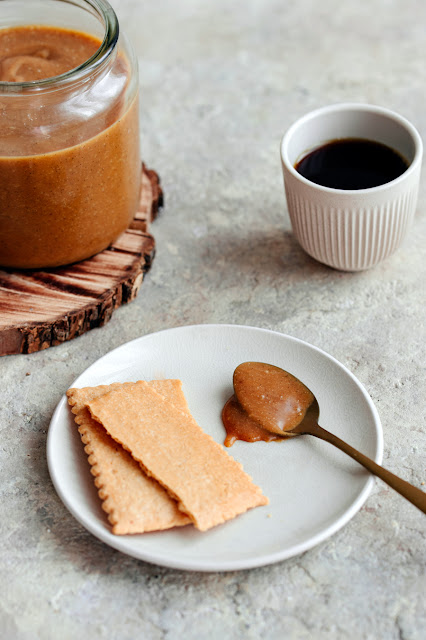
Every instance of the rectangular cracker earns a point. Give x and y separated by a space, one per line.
134 502
210 486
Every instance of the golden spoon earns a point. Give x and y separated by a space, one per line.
279 402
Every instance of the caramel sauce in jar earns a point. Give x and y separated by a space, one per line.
70 165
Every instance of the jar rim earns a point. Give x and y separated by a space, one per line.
105 11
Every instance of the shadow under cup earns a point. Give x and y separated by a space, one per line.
351 230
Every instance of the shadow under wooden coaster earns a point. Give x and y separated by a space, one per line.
39 309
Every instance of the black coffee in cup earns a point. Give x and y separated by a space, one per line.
352 163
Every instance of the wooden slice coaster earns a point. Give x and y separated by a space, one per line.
39 309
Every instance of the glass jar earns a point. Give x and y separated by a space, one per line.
70 166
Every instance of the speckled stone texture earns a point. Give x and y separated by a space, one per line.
220 83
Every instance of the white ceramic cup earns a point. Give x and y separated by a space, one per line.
351 230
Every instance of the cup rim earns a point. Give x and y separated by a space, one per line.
361 107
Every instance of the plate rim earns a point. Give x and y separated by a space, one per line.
119 543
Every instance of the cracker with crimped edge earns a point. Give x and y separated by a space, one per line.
210 486
134 502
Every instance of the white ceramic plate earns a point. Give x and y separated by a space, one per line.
313 488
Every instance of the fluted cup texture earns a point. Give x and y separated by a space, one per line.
351 230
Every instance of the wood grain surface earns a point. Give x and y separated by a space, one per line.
39 309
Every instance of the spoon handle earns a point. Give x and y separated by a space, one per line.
411 493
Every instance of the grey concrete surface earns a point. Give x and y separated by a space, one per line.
220 83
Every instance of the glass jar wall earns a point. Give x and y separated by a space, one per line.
69 143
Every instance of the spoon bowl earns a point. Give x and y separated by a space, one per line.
279 402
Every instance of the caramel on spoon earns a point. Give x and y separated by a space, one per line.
278 402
